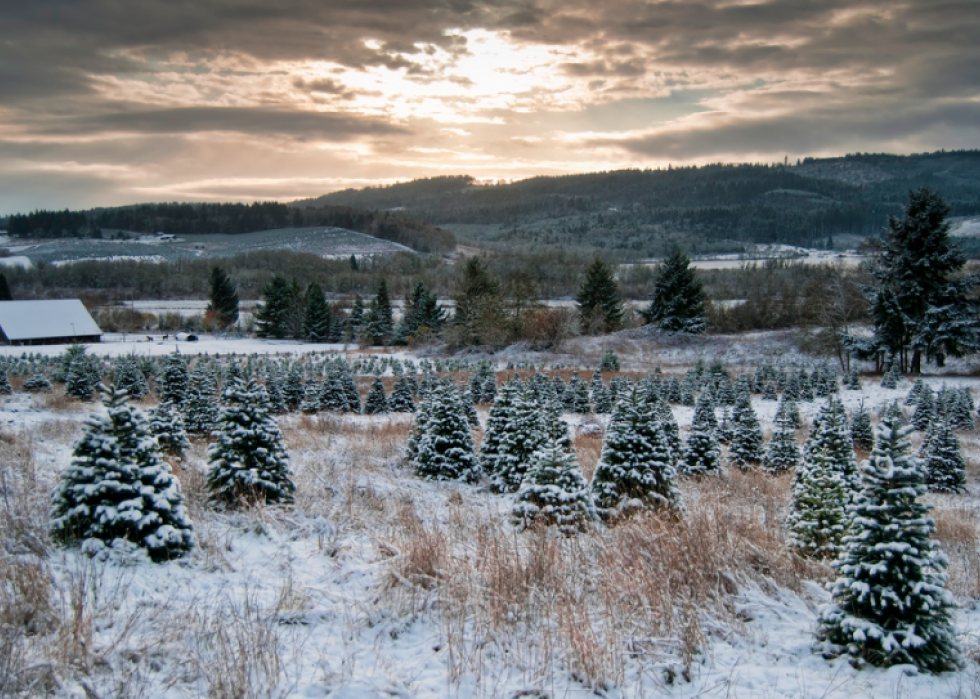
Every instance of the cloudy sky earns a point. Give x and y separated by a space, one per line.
107 102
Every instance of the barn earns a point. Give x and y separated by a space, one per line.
46 323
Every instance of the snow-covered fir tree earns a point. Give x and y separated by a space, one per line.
401 396
747 443
167 425
332 397
960 410
945 469
912 397
523 433
294 388
789 410
576 396
702 454
126 374
925 409
441 447
37 383
554 492
201 403
248 462
889 380
862 435
350 389
853 381
82 377
498 423
173 379
890 605
726 426
117 488
469 407
310 404
635 470
376 402
277 397
782 453
5 388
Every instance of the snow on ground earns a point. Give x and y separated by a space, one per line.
16 261
333 598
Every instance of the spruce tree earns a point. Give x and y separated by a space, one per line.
401 396
294 388
498 422
224 298
276 316
351 393
576 396
118 488
747 443
523 433
635 470
598 299
554 492
702 455
248 463
5 388
890 605
316 315
782 453
678 303
82 378
788 409
945 469
167 426
37 383
127 376
441 447
862 436
378 324
173 380
376 402
310 404
201 404
925 410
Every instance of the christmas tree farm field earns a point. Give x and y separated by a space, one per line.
377 583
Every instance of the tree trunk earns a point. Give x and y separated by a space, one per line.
915 367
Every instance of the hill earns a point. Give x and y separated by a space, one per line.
710 208
230 219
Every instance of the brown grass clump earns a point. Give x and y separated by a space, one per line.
959 535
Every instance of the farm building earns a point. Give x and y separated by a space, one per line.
46 323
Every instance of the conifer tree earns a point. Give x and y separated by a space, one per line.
350 389
5 388
82 378
441 447
960 410
167 426
293 388
118 488
37 383
782 453
862 435
355 319
745 449
726 427
925 410
310 404
201 404
248 462
378 323
671 430
224 298
523 433
576 396
376 402
599 303
401 396
316 315
332 397
276 316
275 388
788 409
635 471
128 377
678 303
554 492
912 397
498 422
945 469
173 380
469 407
702 454
890 605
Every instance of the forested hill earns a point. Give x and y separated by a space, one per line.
712 207
194 219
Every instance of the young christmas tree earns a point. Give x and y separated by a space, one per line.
82 378
441 447
274 386
377 401
173 380
128 377
960 410
912 397
635 471
5 388
702 455
248 462
925 409
745 449
401 396
862 436
789 410
294 388
576 396
37 384
350 389
782 453
890 605
201 404
310 404
498 423
167 426
945 470
554 492
523 433
678 299
118 488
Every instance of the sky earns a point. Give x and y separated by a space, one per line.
111 102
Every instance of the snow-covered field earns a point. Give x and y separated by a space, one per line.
378 585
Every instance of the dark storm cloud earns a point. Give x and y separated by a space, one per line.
327 126
812 130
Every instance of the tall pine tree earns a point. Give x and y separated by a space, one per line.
678 298
599 303
224 298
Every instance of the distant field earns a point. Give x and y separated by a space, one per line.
325 242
